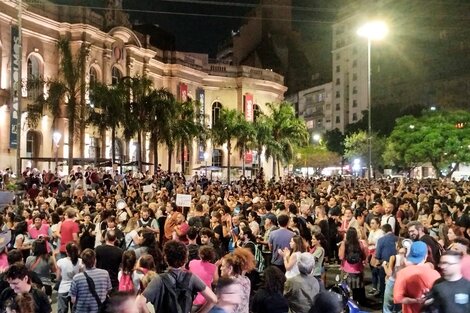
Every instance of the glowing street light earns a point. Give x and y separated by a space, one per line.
374 30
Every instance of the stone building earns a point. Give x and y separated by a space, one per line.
114 52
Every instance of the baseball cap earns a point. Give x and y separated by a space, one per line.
418 252
272 217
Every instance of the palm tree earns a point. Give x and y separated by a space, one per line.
288 131
245 139
262 136
183 128
227 127
108 111
137 110
67 89
162 110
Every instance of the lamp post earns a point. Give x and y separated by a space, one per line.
56 138
375 30
206 156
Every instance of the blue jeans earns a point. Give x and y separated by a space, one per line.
389 306
63 303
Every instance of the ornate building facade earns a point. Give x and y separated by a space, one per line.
113 54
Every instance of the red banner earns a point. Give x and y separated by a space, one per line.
249 107
249 157
183 92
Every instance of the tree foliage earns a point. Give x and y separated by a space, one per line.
441 138
356 145
315 156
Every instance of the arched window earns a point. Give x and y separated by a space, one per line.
33 72
93 76
116 75
216 107
33 143
217 157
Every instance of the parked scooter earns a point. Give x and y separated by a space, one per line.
344 293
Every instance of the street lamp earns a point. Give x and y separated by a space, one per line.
206 156
375 30
56 138
316 138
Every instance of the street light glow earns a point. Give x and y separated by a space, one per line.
316 137
374 30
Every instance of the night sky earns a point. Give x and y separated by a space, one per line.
198 25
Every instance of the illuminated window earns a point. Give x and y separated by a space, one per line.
216 107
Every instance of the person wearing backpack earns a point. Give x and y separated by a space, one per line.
128 280
174 291
353 253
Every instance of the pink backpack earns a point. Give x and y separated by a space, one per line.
125 283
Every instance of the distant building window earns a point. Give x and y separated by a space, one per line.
338 68
354 117
33 72
354 64
116 75
256 112
93 76
338 120
354 90
354 103
338 56
338 94
354 76
217 157
216 107
337 108
338 81
328 107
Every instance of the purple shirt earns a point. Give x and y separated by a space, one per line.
279 239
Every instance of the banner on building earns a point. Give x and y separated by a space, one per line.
15 85
183 92
249 157
249 107
201 98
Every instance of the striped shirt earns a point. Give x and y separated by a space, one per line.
85 302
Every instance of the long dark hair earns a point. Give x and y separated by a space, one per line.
72 252
39 248
273 280
150 242
352 243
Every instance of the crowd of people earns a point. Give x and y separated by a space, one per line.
110 242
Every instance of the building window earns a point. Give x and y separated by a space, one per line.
337 108
354 117
338 68
338 56
216 107
354 76
33 73
328 107
338 94
217 157
116 75
93 76
338 120
338 81
354 90
354 63
354 103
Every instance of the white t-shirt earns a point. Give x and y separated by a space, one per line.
294 271
388 219
67 272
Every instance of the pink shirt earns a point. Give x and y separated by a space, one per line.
67 229
34 233
3 262
465 263
205 271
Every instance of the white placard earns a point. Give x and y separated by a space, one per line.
183 200
147 188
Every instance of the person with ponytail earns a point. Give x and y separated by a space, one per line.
66 269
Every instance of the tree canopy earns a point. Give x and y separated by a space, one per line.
440 138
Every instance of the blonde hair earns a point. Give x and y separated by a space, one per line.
132 224
144 281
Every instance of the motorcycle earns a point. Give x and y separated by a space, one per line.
344 293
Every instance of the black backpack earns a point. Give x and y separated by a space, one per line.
354 257
177 296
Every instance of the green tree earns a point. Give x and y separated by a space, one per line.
316 156
262 135
288 131
162 111
226 128
108 111
334 141
356 145
65 94
441 138
245 140
137 110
